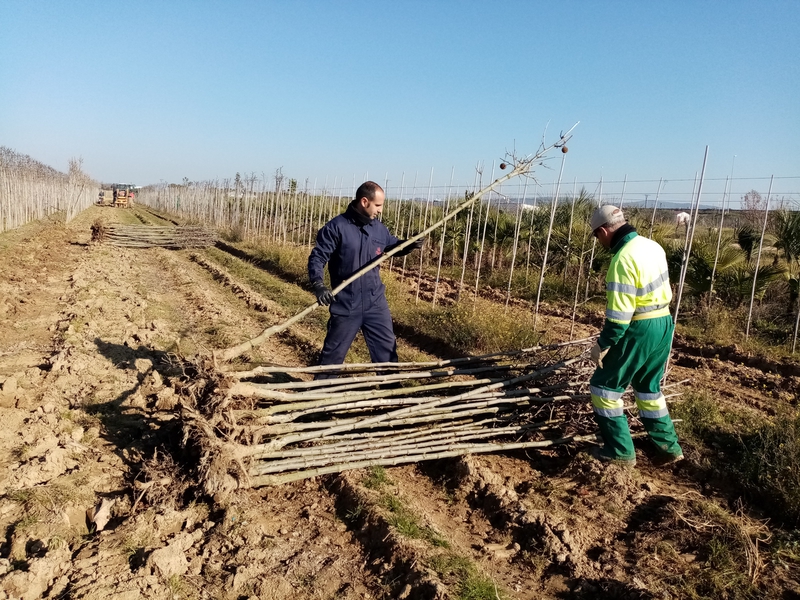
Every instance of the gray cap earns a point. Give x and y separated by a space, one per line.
606 214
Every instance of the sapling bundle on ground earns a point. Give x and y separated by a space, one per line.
272 425
152 236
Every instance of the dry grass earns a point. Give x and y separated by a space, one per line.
45 503
697 549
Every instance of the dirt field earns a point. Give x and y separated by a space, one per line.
89 339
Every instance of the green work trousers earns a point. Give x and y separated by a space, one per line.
638 360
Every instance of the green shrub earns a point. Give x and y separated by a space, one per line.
762 454
770 465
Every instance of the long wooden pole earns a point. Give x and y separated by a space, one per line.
719 243
468 230
279 443
483 243
410 222
397 214
262 480
422 249
594 245
758 260
569 229
687 253
689 228
517 230
355 367
655 206
442 240
547 243
530 233
622 198
685 266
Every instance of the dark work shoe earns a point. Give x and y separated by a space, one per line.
668 460
598 453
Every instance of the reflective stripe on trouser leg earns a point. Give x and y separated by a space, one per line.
656 420
613 423
651 406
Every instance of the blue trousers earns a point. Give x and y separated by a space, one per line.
376 325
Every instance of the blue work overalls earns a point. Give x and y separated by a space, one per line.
347 243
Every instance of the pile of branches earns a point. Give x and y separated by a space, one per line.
273 425
152 236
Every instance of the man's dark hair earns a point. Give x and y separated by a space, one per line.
367 190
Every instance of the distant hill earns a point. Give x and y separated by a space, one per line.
509 204
670 205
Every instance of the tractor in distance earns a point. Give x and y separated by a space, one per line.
120 195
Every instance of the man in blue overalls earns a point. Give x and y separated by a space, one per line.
347 243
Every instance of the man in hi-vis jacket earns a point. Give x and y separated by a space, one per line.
635 342
347 243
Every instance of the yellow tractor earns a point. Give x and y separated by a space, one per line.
122 194
119 196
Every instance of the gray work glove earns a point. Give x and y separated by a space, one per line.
324 296
598 354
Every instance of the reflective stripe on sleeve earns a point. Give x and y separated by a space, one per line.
627 288
619 316
622 288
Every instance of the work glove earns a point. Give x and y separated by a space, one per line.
324 296
598 354
411 247
417 244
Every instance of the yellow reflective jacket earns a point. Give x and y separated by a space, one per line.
637 286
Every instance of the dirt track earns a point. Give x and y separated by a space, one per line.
88 341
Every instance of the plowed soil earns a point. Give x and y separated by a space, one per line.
91 338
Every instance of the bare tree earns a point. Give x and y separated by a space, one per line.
753 206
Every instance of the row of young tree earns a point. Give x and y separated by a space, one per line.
504 245
31 190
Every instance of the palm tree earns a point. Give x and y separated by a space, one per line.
738 283
701 263
748 238
735 273
787 239
787 234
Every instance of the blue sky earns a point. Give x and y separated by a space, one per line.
147 91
